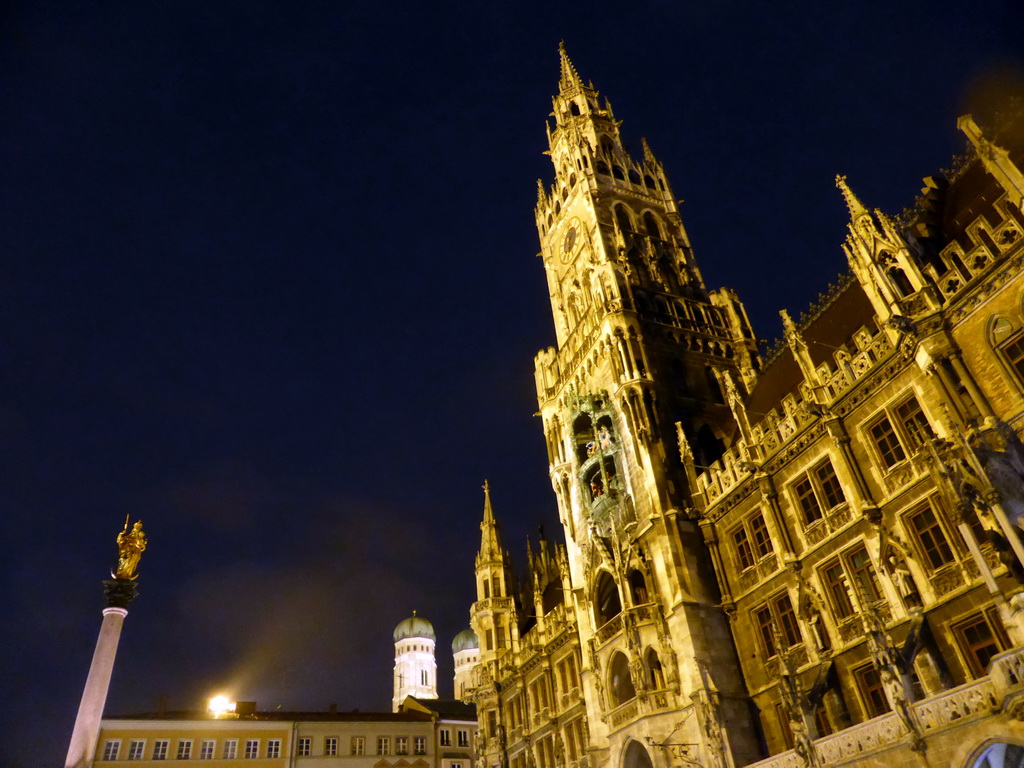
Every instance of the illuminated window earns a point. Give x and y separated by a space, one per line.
818 492
862 571
230 749
111 749
869 683
401 745
252 749
419 745
206 749
744 552
853 569
185 750
331 746
358 746
777 613
980 638
136 747
930 537
751 541
1014 352
914 423
305 746
900 430
888 445
383 745
160 749
273 747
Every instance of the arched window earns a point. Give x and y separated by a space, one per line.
656 675
999 755
618 173
637 587
606 599
602 167
620 685
649 182
636 756
900 281
574 108
651 225
608 147
634 177
623 218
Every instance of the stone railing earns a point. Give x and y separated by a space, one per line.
624 713
778 426
947 709
611 628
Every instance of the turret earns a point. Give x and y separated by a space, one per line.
415 665
466 654
494 613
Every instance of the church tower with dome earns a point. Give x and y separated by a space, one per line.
466 654
415 665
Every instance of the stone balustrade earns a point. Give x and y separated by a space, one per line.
947 709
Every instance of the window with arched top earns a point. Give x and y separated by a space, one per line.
636 756
618 173
1000 754
620 684
651 225
656 675
623 219
637 587
575 109
1007 340
602 167
634 177
608 147
649 182
606 599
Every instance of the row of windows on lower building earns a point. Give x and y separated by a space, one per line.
253 748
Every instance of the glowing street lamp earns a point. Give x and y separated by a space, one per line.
220 705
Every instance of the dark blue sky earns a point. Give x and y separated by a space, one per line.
268 281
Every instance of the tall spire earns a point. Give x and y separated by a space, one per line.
856 206
569 78
490 540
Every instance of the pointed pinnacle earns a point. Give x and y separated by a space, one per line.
648 154
852 203
569 76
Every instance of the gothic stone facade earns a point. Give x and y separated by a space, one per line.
808 559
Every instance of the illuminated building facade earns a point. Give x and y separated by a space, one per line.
803 558
423 734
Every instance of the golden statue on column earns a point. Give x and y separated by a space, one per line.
131 543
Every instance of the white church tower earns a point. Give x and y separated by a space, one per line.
466 654
415 667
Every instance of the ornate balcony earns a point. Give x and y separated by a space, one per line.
1003 688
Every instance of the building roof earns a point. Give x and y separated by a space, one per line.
354 716
414 626
444 709
466 640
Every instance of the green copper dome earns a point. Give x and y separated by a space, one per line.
414 626
466 640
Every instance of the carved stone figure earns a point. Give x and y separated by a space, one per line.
130 546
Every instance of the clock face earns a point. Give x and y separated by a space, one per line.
570 239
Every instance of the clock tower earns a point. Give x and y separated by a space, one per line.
635 398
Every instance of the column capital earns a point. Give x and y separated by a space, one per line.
119 592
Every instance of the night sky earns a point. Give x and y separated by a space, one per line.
268 282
